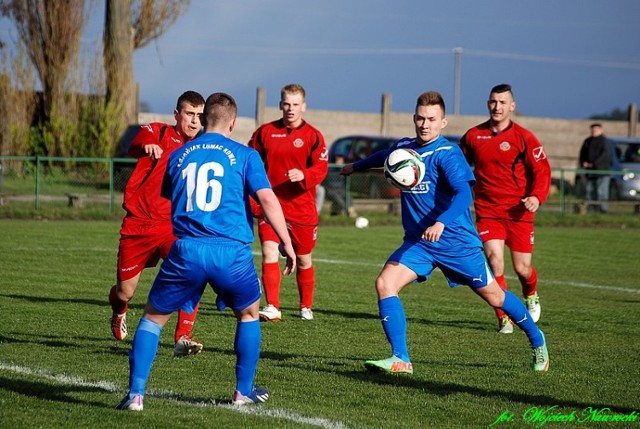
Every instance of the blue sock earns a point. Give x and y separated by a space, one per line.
143 353
394 324
247 348
518 313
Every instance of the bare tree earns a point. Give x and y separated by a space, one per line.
51 32
129 25
151 18
118 60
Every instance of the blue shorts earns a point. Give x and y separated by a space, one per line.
227 265
461 266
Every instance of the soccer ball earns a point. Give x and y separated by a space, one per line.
404 168
362 222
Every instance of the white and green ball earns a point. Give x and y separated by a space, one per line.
404 168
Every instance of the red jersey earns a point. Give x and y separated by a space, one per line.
509 166
283 148
142 198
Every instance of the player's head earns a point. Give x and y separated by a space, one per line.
292 104
188 114
429 118
501 103
220 112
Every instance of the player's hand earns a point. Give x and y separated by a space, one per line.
346 170
531 203
434 232
295 175
287 251
153 150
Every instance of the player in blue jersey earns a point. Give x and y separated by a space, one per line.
209 181
439 233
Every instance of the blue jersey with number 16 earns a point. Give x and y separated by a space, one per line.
208 181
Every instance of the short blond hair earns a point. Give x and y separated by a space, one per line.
292 88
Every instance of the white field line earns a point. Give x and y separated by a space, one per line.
543 281
113 388
380 264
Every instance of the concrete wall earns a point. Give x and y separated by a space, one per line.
562 138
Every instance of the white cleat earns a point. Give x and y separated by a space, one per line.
270 314
306 313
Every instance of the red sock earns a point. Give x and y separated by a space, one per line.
118 306
502 282
530 285
306 285
185 323
271 283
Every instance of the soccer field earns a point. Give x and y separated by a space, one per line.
60 367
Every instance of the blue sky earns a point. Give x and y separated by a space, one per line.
565 58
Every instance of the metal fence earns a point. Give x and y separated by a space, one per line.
97 184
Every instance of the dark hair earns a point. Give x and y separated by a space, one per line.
218 108
431 98
596 124
503 87
191 97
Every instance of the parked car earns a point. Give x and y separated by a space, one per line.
625 185
371 184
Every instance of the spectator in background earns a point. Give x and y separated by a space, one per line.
595 154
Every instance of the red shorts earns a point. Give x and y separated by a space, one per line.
303 237
518 236
141 246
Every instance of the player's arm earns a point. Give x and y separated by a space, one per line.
318 166
273 212
255 142
466 149
537 162
146 143
460 202
375 160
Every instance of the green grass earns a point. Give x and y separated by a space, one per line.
60 367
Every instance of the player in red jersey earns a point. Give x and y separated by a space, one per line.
513 176
295 158
146 234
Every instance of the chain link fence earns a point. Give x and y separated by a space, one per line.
96 185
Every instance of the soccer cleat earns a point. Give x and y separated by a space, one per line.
505 326
540 356
256 396
119 325
533 305
392 365
186 346
131 403
306 313
270 314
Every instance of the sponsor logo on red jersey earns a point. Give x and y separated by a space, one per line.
538 154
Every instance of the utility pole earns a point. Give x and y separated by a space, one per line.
456 86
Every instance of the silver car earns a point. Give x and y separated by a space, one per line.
625 184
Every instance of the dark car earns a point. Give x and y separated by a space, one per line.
625 184
371 184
